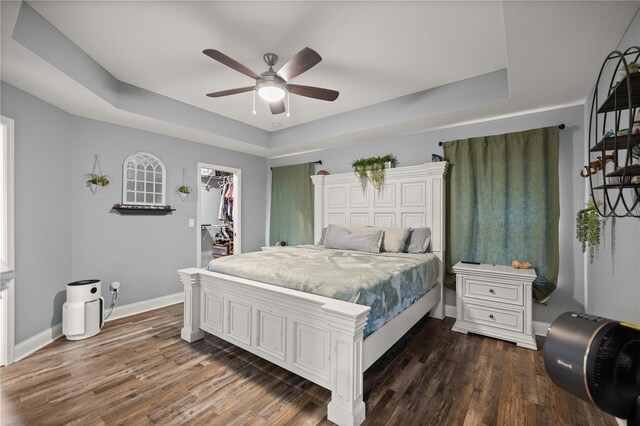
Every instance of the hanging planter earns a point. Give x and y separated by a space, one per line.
588 230
372 169
96 180
184 190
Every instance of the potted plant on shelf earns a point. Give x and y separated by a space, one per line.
372 169
633 67
588 229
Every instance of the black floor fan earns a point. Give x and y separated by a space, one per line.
597 359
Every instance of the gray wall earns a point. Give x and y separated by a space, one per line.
42 209
64 233
144 252
417 149
613 280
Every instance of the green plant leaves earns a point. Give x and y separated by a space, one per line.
588 230
372 169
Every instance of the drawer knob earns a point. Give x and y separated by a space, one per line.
491 291
491 316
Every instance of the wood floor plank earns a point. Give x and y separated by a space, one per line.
138 371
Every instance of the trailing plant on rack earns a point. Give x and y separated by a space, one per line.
588 229
372 169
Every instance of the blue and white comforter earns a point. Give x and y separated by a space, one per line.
386 282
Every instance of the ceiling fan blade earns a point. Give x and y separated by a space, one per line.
230 62
303 61
277 107
313 92
230 92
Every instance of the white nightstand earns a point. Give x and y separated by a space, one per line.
495 301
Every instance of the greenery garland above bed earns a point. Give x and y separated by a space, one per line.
372 169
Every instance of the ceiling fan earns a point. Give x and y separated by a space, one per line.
271 85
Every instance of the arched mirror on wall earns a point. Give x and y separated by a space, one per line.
218 212
143 180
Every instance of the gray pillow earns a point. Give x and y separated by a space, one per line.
324 232
419 241
341 238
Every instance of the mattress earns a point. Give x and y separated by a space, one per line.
386 282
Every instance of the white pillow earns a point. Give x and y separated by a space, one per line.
341 238
394 239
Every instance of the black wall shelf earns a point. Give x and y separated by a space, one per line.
126 209
613 170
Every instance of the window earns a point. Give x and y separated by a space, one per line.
143 178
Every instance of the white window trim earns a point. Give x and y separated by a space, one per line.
7 286
133 157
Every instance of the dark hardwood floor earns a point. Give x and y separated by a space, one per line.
138 371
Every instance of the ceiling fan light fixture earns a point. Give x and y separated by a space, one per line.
271 93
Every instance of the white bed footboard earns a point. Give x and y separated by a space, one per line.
318 338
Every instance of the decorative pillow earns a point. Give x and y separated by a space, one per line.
341 238
324 233
350 228
419 241
394 239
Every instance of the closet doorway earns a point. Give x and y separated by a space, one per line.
218 213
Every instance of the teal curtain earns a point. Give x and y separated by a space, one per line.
503 203
292 204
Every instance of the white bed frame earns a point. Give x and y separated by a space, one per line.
319 338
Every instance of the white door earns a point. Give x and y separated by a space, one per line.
7 248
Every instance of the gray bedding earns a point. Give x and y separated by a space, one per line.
387 282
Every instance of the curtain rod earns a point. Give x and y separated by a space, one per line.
319 162
561 126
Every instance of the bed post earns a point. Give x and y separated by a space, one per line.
346 325
191 329
436 213
318 207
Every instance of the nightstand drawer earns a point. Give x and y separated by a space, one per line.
494 291
495 317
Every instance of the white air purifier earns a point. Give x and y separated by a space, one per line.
83 312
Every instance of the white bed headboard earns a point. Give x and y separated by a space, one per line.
412 196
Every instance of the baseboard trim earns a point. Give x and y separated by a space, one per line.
450 311
42 339
145 305
539 328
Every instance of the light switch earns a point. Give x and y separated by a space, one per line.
192 223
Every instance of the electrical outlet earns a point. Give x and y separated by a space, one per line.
192 223
115 287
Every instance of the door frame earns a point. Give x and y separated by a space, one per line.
7 283
237 209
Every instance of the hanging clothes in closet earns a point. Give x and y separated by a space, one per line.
226 202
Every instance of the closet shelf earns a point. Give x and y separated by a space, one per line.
128 209
616 142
